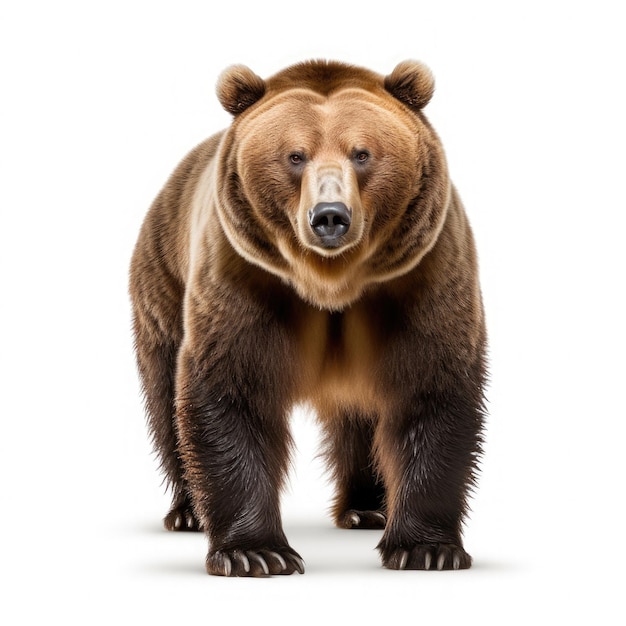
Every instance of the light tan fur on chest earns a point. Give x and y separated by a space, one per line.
338 362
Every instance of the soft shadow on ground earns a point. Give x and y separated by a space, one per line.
324 548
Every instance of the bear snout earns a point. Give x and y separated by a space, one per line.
330 221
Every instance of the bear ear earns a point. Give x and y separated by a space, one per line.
238 88
412 83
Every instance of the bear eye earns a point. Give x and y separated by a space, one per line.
297 158
361 156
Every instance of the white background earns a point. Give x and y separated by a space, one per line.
102 99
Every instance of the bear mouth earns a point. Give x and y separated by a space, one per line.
330 247
331 242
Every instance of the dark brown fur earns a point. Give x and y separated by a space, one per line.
239 313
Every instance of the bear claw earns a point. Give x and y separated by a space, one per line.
261 561
181 518
439 556
254 563
362 519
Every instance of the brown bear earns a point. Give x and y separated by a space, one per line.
315 251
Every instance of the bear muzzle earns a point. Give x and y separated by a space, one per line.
330 221
329 218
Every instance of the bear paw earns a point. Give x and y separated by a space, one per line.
181 518
256 563
362 519
427 556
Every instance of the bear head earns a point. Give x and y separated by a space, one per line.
330 176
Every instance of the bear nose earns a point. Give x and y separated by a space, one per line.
330 220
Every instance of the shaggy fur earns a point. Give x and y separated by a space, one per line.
243 309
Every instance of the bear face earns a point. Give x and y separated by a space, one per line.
343 176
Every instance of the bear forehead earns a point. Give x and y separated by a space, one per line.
351 109
339 101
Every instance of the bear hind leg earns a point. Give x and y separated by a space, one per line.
156 359
360 494
157 367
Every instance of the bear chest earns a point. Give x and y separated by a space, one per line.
338 357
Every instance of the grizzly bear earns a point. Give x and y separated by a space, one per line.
314 252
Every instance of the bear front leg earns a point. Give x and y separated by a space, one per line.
428 456
234 443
